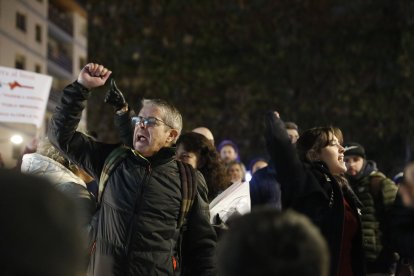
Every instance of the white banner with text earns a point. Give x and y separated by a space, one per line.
23 96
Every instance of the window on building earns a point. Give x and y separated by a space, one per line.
38 68
82 62
20 62
21 21
38 33
84 30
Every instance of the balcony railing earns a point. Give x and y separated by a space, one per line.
61 19
60 58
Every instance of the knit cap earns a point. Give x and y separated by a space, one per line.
353 148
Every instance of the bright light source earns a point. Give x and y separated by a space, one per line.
16 139
248 176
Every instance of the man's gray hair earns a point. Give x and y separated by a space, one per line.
171 116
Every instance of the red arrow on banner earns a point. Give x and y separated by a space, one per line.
16 84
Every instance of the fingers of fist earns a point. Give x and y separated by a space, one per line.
97 70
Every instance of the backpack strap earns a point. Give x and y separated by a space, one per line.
383 190
111 162
375 184
188 190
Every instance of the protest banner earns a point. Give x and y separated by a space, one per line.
23 96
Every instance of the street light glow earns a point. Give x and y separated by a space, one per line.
16 139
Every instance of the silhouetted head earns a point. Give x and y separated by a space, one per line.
40 234
269 242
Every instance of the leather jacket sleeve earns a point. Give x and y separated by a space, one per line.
290 171
125 130
81 149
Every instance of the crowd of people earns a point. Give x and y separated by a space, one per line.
163 202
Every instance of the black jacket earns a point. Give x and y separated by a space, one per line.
264 188
125 130
309 188
137 222
377 194
402 229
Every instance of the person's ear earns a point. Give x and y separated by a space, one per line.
312 155
172 136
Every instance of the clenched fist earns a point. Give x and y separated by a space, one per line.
93 75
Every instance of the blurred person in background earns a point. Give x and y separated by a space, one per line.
398 178
402 223
292 130
40 234
268 242
377 194
235 200
236 171
406 189
205 132
257 164
49 163
228 151
196 150
30 147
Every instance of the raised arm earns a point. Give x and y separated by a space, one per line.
79 148
290 172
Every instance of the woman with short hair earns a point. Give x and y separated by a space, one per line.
312 183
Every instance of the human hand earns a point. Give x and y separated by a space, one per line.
93 75
406 188
407 195
115 97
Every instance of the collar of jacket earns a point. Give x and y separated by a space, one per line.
368 168
319 166
325 179
352 197
163 156
347 191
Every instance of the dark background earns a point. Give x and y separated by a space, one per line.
224 63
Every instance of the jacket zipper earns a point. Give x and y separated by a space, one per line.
139 196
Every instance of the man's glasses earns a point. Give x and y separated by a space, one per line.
147 122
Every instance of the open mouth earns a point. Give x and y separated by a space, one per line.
141 138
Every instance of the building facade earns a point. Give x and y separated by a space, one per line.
42 36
